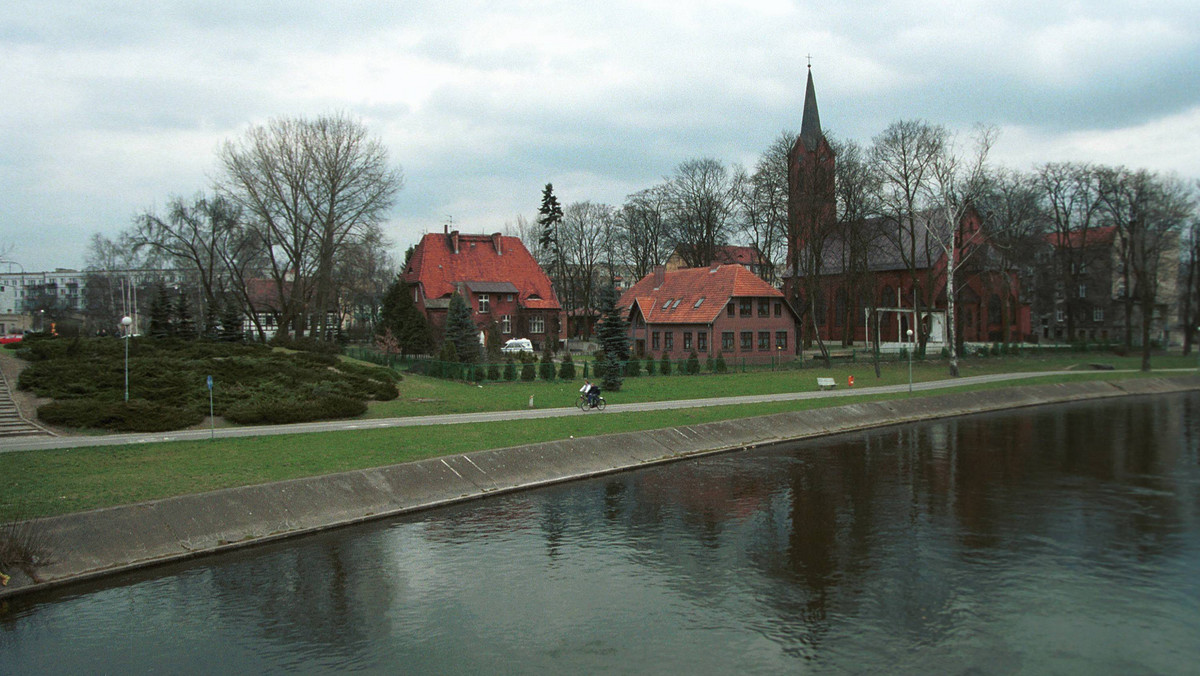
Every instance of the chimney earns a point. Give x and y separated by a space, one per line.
496 243
454 241
660 275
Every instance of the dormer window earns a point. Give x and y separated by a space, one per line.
698 302
667 304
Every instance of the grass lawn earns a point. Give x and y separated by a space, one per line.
41 483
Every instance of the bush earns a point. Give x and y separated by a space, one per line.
721 366
270 410
493 371
566 370
650 366
546 367
693 364
136 415
510 370
528 372
633 368
664 366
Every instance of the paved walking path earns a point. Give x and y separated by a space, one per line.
32 444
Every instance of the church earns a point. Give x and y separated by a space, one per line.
872 281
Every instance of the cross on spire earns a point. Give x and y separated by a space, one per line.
810 61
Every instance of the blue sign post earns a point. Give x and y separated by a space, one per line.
212 425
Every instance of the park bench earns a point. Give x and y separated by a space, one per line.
826 383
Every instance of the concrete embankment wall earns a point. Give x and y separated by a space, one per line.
106 541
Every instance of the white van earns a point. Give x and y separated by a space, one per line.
517 346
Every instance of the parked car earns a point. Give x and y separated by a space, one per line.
517 346
10 338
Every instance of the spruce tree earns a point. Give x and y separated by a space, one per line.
614 339
183 325
231 323
461 330
407 323
212 323
160 313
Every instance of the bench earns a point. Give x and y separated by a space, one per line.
826 383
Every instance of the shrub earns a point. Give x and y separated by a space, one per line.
546 367
709 364
721 366
528 372
136 415
510 369
664 366
650 366
566 370
272 410
493 371
633 368
693 364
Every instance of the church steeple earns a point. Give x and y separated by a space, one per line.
810 126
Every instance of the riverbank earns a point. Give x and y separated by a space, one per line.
101 542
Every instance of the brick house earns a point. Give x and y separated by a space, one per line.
495 274
720 309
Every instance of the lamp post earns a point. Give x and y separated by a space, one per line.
910 351
126 322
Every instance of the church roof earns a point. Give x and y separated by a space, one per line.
810 125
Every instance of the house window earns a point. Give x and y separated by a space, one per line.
727 340
537 324
484 303
506 324
687 340
1060 316
508 298
729 309
1083 290
744 307
702 341
764 307
1098 314
781 340
747 341
778 309
654 340
669 341
764 340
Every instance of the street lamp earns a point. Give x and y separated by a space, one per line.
126 322
910 351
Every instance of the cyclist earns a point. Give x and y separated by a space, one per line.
592 392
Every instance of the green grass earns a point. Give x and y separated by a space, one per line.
42 483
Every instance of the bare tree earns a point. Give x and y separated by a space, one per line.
764 202
1148 211
702 200
1072 204
856 189
958 180
903 155
584 235
1016 224
308 187
642 230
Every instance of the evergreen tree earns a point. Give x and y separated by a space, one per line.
693 364
550 215
212 324
664 366
231 323
510 369
614 339
461 330
160 313
566 370
406 322
546 368
528 372
183 325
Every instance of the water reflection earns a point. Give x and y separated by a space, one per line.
1056 539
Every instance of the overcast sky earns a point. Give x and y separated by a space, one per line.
111 108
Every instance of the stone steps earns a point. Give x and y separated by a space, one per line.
11 422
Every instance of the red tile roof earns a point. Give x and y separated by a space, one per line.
694 295
483 260
741 255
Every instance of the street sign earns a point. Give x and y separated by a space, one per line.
210 382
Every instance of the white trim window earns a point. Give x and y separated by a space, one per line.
485 303
506 324
1098 314
537 324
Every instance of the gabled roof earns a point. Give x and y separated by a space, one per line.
694 295
738 255
483 264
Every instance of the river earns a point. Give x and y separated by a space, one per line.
1060 539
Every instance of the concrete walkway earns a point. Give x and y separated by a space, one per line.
34 444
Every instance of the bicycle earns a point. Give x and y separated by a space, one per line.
584 405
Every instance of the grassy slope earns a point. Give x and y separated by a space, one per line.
43 483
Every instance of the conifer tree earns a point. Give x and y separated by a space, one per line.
461 330
160 313
614 339
182 322
231 323
407 323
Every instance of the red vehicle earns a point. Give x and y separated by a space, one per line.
10 338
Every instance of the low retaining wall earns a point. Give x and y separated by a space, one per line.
106 541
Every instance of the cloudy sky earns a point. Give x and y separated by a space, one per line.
111 108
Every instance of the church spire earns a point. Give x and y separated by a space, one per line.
810 126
